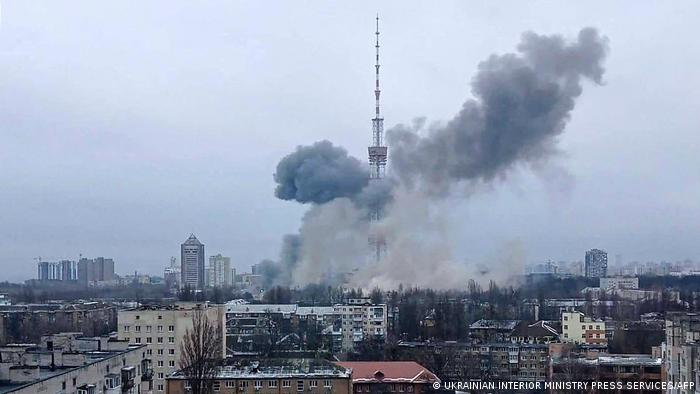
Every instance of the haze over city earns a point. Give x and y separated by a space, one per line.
129 126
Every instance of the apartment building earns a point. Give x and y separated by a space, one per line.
578 328
161 329
250 327
681 351
284 376
26 323
390 376
613 283
70 363
361 320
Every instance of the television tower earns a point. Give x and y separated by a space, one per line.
377 159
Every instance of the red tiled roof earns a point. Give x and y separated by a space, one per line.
388 371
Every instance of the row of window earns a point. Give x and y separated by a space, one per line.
127 328
392 388
259 384
158 340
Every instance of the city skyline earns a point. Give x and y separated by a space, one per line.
152 139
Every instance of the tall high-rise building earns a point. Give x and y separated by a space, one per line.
596 263
192 263
57 270
220 271
99 269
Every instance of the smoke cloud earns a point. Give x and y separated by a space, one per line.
521 103
318 174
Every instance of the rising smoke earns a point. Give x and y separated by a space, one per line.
521 103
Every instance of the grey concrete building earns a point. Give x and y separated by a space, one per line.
192 263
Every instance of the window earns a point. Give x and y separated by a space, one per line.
171 328
171 339
138 340
160 328
258 384
138 317
160 339
160 363
300 385
138 328
285 383
313 383
160 352
160 317
149 340
171 352
566 327
217 386
327 383
149 352
566 318
148 328
171 363
126 328
244 383
272 384
161 375
229 384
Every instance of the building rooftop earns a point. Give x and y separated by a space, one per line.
388 372
494 324
279 368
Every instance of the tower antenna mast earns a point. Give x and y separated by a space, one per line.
377 156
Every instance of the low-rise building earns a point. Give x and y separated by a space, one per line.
162 329
619 283
578 328
390 376
27 323
69 363
273 376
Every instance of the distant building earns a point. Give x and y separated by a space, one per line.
192 263
63 270
92 271
619 283
578 328
5 299
274 376
163 330
26 323
70 363
220 273
596 264
486 330
172 275
390 376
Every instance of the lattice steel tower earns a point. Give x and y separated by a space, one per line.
377 159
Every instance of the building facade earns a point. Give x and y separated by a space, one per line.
64 270
285 376
69 363
93 271
578 328
162 330
26 323
361 320
596 264
192 263
220 273
619 283
681 351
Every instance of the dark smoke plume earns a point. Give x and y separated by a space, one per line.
318 174
522 102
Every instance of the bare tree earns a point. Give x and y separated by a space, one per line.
201 352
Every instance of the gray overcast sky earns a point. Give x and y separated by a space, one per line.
127 125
